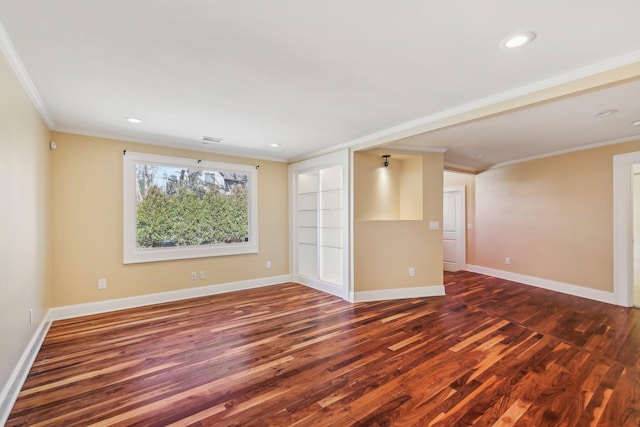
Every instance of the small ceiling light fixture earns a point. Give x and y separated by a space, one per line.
135 120
636 123
386 160
605 113
275 145
517 40
208 139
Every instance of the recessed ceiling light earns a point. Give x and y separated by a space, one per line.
134 120
211 139
605 113
636 123
517 40
275 145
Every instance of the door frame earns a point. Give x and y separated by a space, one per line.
461 220
623 227
333 159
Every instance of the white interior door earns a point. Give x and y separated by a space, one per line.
453 229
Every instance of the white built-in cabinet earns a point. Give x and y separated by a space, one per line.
319 211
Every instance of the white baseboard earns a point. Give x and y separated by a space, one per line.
552 285
70 311
400 293
319 285
12 388
10 392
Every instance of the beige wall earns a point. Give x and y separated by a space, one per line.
377 189
24 220
411 187
87 237
384 250
553 217
61 222
469 183
389 193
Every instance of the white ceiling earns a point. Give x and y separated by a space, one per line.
317 74
561 125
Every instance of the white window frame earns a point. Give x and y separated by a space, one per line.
133 254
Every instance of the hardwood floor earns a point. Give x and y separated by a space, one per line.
490 353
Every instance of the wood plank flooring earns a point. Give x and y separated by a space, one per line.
490 353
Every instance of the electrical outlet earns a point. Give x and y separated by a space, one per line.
412 272
507 260
194 275
202 275
102 284
268 264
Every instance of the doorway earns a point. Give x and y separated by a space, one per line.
454 236
636 234
623 229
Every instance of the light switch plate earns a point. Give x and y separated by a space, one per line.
434 225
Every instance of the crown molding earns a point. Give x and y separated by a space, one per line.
453 167
372 140
417 126
21 73
568 150
418 148
179 144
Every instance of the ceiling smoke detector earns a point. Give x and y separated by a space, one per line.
605 113
208 139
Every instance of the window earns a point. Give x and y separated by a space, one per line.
176 208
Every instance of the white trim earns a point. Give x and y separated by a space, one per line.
134 254
414 127
417 148
552 285
568 150
23 77
352 276
461 225
321 285
181 143
399 293
12 388
342 158
623 227
70 311
457 168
